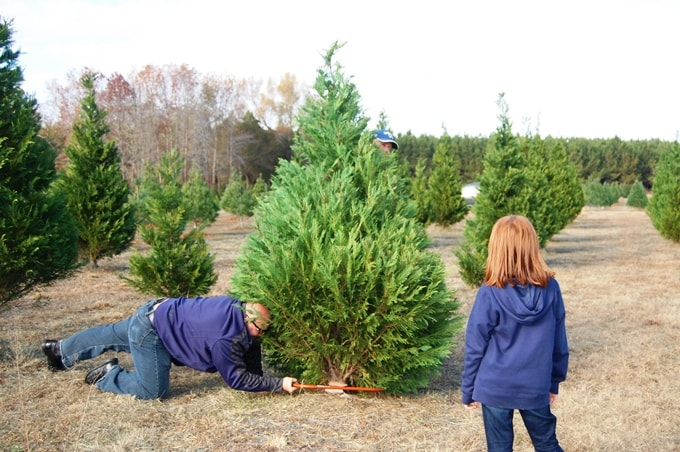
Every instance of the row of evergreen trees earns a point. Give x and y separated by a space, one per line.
605 160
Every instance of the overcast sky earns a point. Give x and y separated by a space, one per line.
577 68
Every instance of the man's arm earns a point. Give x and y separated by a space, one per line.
229 357
253 358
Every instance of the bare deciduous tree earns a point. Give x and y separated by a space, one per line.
159 108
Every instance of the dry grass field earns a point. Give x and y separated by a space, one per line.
621 284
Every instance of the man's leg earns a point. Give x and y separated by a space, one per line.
151 377
94 341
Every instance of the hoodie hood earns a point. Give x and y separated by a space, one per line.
526 304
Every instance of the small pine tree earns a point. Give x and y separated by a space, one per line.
259 189
444 189
637 196
38 238
179 262
664 206
237 197
98 196
201 202
340 259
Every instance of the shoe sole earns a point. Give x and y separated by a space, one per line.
99 372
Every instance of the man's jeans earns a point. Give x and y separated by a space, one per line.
135 335
540 424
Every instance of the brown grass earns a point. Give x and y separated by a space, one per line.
620 281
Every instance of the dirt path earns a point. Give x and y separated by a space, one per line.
621 282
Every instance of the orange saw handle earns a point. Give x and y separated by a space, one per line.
343 388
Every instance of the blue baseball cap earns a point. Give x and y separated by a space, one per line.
384 136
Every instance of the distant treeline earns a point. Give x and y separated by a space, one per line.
604 160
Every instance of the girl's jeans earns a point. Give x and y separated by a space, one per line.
135 335
540 424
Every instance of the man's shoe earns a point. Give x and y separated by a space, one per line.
99 372
51 349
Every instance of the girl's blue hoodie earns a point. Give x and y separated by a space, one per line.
516 350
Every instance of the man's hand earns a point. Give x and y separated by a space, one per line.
288 384
472 405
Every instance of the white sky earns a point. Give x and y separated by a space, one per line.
577 68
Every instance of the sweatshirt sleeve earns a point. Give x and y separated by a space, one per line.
229 357
477 334
561 349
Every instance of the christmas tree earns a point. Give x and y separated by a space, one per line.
179 262
341 260
98 195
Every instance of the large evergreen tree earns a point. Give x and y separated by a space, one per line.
98 195
537 167
38 239
179 262
504 189
664 206
341 260
556 195
568 194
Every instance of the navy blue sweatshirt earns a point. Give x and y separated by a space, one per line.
516 350
209 334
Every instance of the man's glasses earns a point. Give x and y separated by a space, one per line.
259 330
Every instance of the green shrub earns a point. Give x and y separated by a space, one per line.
664 206
601 195
238 197
624 189
637 197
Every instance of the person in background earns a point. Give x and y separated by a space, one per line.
516 351
385 141
211 334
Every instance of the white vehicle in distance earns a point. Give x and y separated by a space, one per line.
470 192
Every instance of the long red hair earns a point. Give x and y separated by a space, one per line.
515 255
